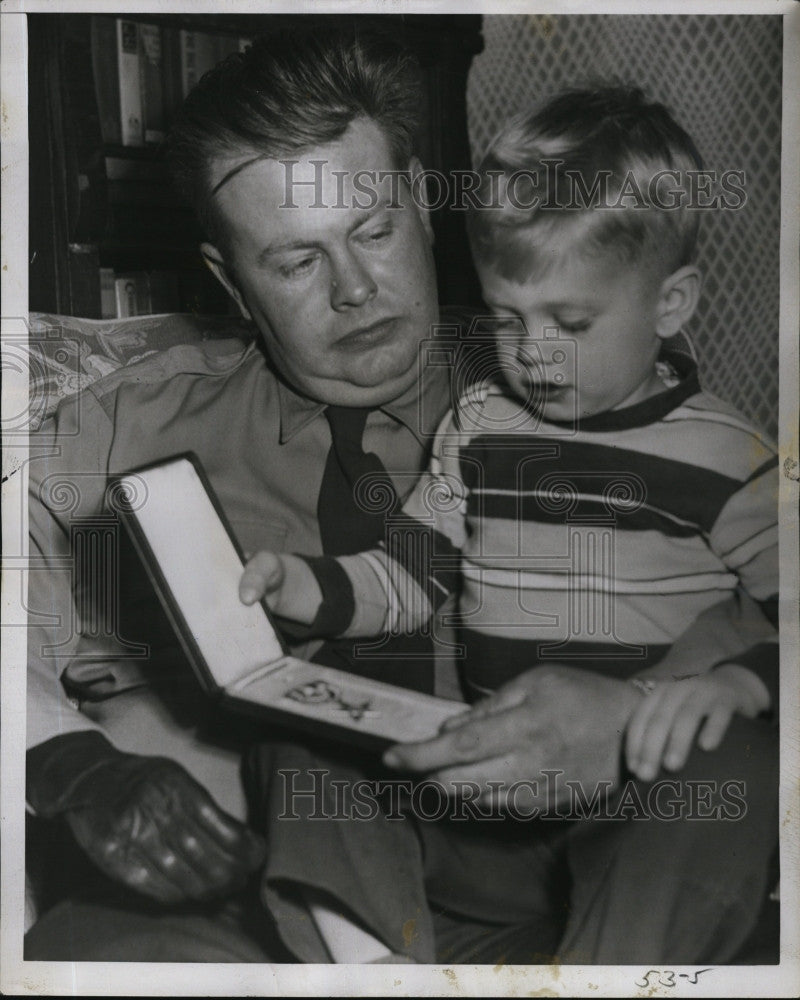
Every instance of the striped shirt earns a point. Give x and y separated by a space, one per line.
596 544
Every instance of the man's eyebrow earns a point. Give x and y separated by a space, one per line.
274 248
310 244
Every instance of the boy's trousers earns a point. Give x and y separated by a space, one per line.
670 872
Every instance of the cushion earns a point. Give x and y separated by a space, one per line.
67 353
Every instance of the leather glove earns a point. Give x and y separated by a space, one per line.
144 821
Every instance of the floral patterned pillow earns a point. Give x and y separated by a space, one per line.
67 353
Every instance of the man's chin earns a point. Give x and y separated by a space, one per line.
381 375
375 393
362 387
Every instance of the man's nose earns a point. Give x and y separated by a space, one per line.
351 282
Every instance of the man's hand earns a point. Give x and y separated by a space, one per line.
286 582
551 718
151 826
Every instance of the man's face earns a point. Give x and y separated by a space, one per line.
608 310
342 295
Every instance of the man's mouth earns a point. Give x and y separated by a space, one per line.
368 336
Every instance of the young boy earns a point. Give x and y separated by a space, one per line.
592 469
589 500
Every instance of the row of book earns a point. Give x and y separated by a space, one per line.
143 72
138 293
148 293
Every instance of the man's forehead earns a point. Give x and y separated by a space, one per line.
343 164
256 214
224 169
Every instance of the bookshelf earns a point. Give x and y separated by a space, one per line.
102 208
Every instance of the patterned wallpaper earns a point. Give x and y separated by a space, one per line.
721 77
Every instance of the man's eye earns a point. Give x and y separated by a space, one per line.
377 235
297 267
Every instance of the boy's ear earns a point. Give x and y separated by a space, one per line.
416 169
216 265
678 298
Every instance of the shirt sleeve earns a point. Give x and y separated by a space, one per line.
400 584
723 633
763 660
745 533
67 477
744 536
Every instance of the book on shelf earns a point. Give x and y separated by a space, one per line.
131 294
151 82
236 651
130 90
201 51
143 293
108 293
105 67
142 73
171 71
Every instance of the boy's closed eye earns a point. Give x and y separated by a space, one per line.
571 325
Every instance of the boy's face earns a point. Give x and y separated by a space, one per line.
607 308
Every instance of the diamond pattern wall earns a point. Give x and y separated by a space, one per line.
721 77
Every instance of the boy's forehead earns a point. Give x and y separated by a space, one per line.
546 249
554 286
563 272
566 246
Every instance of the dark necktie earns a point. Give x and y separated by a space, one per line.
351 510
348 522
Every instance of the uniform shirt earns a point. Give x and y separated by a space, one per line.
264 448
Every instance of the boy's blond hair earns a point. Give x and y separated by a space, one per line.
605 160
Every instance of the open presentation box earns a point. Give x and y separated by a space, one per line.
181 533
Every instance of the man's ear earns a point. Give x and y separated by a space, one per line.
216 265
416 169
678 298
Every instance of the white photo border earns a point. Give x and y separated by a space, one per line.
111 979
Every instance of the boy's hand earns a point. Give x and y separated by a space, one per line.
662 729
286 582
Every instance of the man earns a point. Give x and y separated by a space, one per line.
341 289
342 300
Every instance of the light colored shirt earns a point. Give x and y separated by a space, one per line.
263 447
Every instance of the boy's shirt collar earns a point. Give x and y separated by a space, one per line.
650 410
